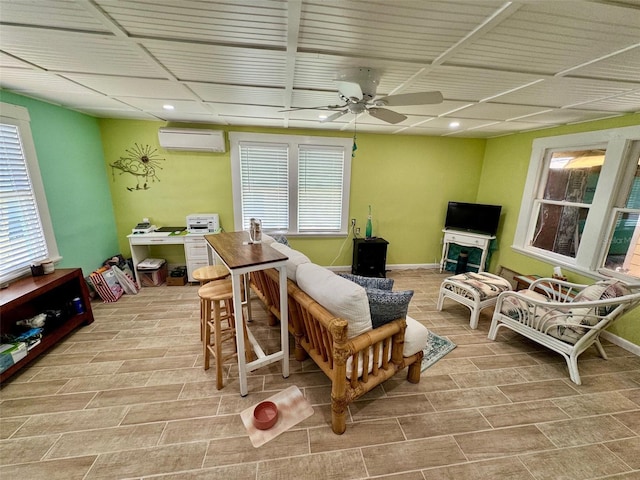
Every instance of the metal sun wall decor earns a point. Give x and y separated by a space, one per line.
141 162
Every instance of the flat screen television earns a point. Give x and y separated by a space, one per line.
473 217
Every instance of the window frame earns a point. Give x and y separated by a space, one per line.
293 142
598 227
19 116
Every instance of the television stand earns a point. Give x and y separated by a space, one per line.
465 239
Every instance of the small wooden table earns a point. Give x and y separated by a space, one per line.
241 257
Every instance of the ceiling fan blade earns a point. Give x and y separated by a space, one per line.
331 118
420 98
350 90
385 115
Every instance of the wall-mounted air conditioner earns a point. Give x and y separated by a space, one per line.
192 139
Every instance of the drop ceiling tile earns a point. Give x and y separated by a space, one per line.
236 110
129 87
393 30
472 84
210 92
564 92
550 37
497 111
155 106
253 121
51 14
444 122
623 66
249 23
31 81
111 113
629 103
221 64
56 50
562 116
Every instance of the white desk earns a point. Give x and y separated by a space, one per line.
192 243
465 239
241 258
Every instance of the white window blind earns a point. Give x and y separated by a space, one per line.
22 239
265 184
320 180
295 184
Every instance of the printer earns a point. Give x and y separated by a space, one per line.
203 223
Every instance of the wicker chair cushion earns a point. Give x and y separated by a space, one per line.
485 285
598 291
342 297
386 306
295 258
369 282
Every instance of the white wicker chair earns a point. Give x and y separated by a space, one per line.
548 314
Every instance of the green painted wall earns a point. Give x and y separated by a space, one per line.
71 160
502 180
407 180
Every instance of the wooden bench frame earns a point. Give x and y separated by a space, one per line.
323 337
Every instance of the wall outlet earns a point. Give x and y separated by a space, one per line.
357 230
353 222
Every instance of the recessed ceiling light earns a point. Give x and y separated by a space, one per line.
168 107
322 116
454 124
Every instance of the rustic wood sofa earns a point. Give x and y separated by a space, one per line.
565 317
354 364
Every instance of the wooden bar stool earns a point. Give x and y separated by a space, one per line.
216 299
210 273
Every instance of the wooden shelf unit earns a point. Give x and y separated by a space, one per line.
30 296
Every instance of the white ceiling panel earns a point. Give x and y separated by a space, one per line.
129 86
500 66
549 37
181 107
563 116
565 92
70 51
63 14
498 111
252 23
458 83
35 81
238 94
221 64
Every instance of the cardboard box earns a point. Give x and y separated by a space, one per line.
153 278
176 281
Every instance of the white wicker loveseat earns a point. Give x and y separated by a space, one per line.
566 317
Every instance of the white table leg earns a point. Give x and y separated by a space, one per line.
237 308
284 321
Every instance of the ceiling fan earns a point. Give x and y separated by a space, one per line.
357 89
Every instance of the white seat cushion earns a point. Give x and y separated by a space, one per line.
416 337
343 298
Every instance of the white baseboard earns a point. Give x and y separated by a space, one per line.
621 342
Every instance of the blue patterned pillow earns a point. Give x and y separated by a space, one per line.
370 282
281 239
386 305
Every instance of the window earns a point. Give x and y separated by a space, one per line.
294 184
581 202
26 234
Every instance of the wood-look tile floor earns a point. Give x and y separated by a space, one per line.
127 398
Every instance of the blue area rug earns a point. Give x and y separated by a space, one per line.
437 347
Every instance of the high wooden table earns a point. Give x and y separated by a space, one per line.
241 257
